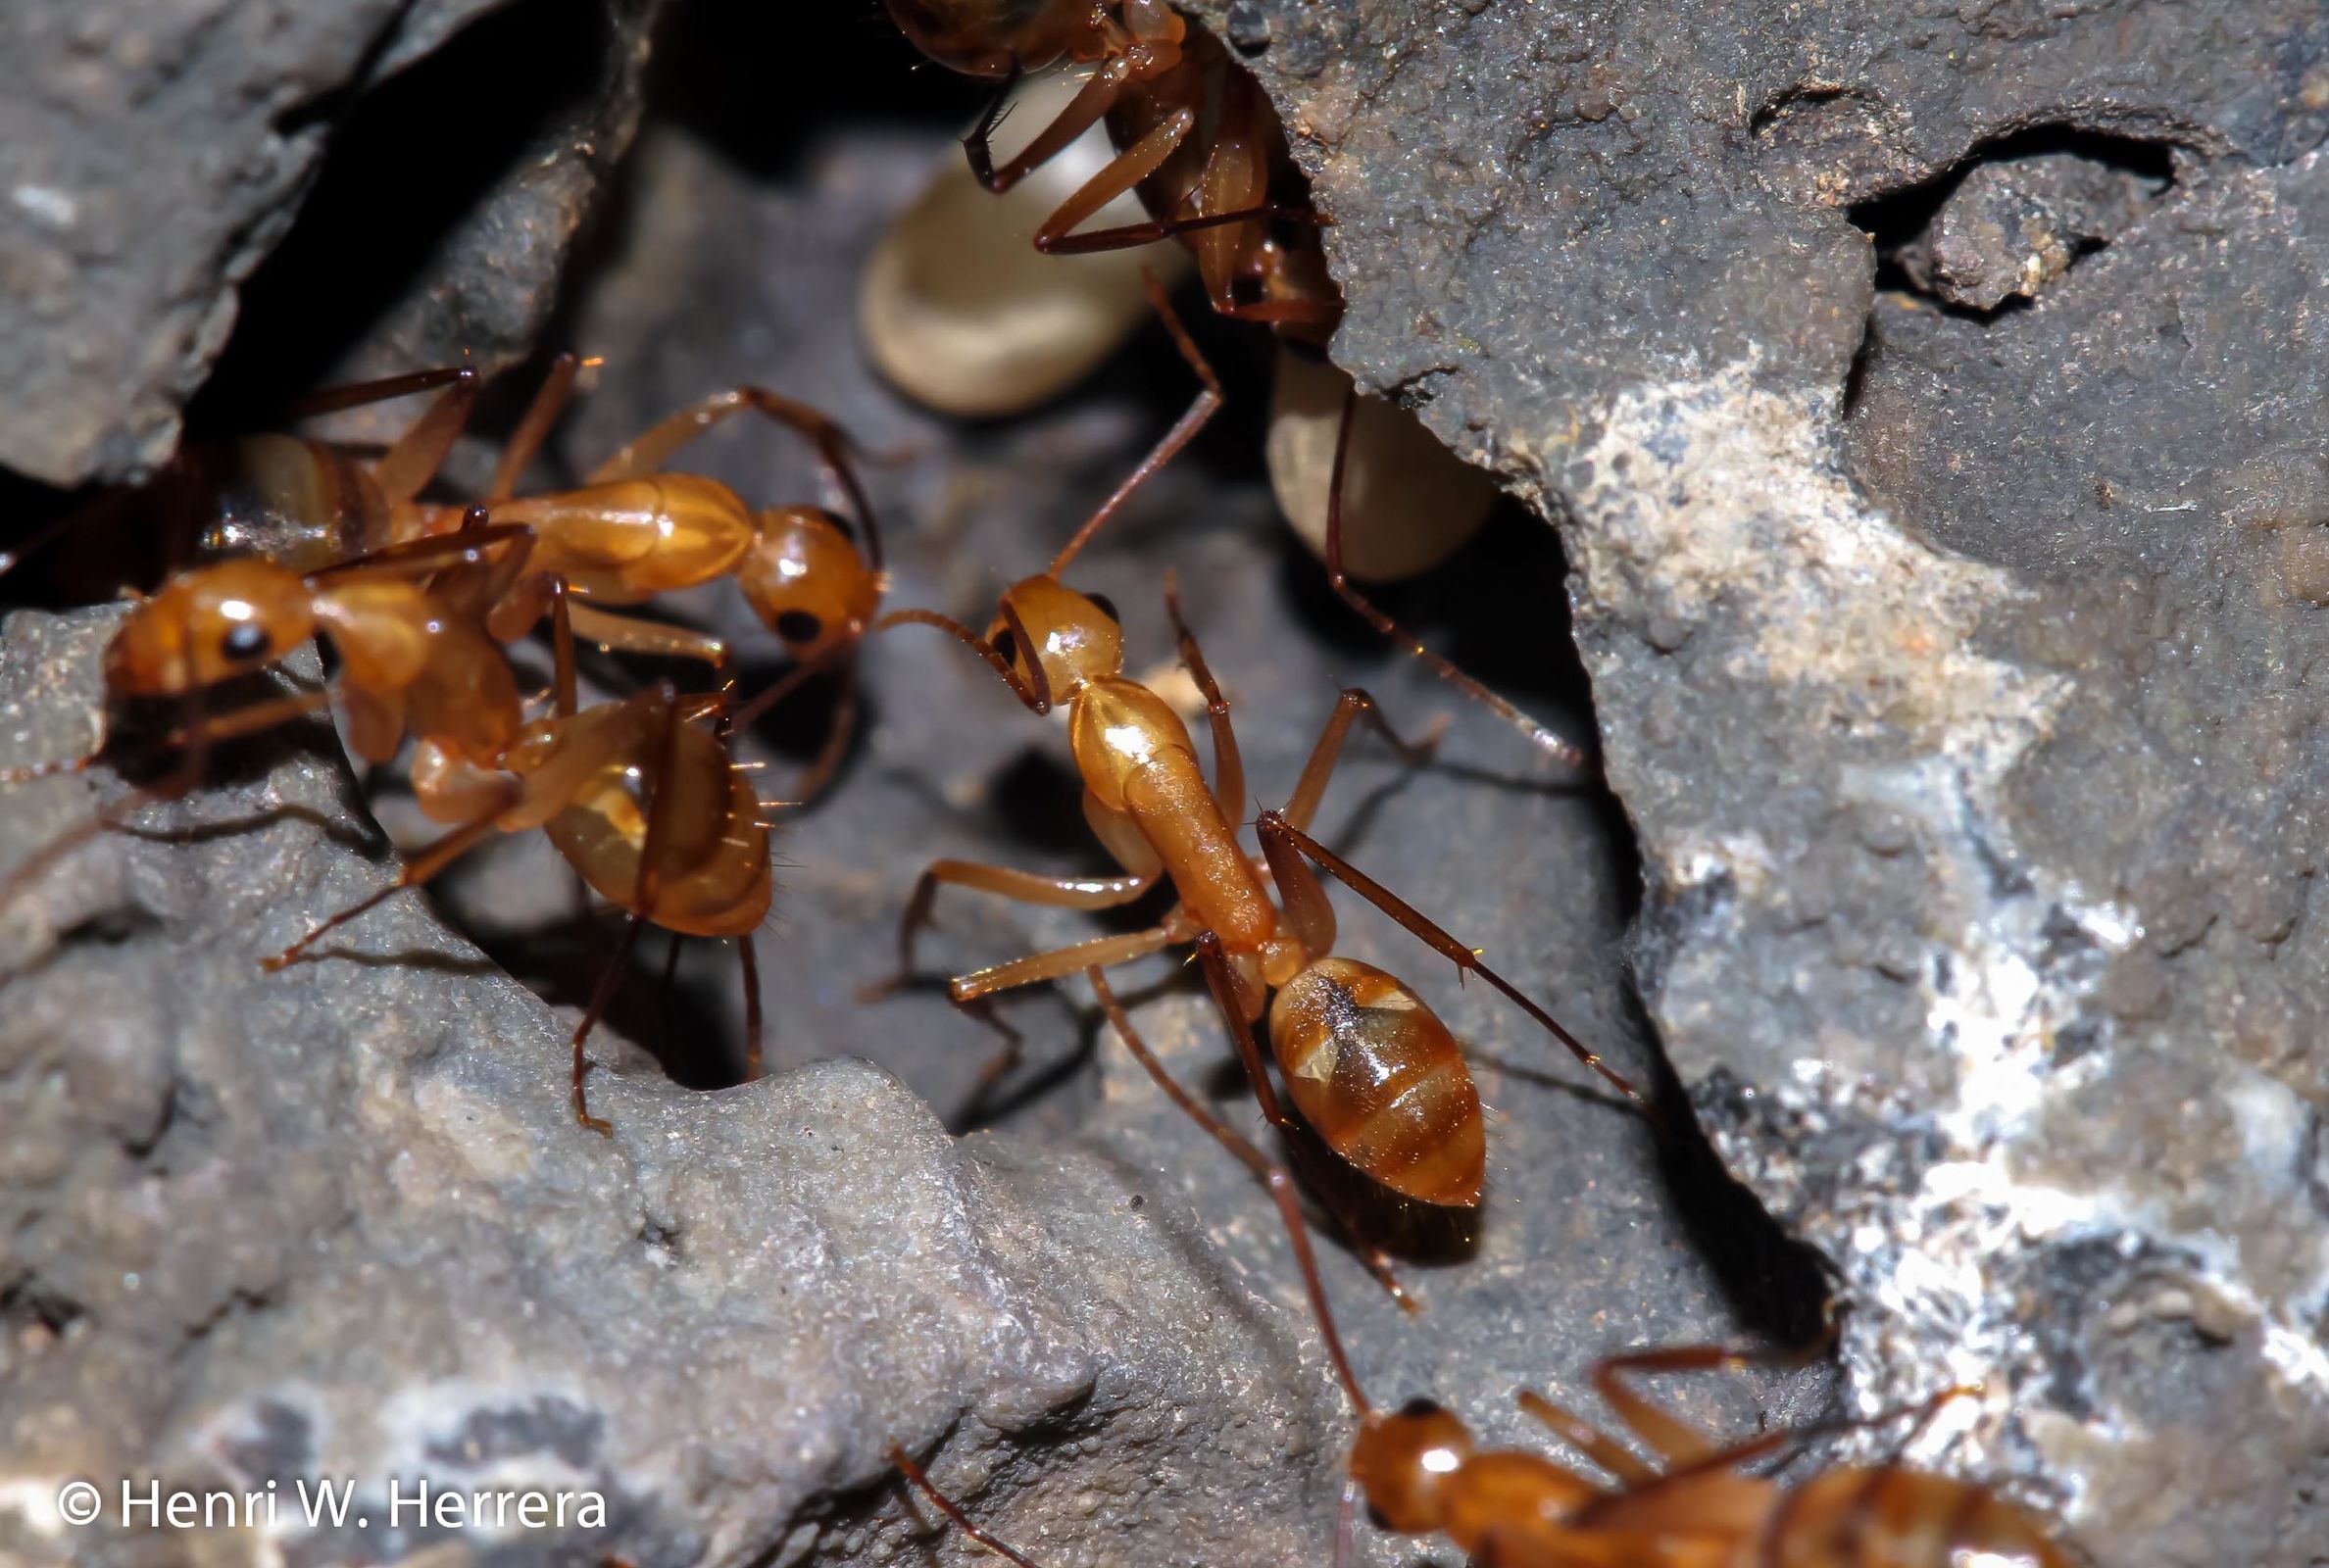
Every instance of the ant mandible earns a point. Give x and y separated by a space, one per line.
1368 1065
1197 139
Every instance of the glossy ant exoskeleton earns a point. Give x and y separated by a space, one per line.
636 794
1197 139
1373 1069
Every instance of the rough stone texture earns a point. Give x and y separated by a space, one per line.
153 153
379 1219
1958 673
338 1223
2013 226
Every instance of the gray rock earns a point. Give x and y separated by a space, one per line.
2015 225
388 1251
1953 671
153 155
337 1224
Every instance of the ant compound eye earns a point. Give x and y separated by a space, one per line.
1006 645
245 639
798 626
1417 1408
1107 607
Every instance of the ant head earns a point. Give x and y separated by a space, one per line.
1074 637
210 626
995 38
805 581
1401 1458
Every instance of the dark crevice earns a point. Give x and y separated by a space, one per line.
1864 358
415 156
1793 100
29 1305
1900 224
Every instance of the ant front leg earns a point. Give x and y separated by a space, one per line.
192 741
409 465
1353 704
424 864
1086 109
633 634
1025 887
1228 785
1280 838
534 429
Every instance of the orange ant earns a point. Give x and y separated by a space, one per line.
1421 1471
1696 1505
644 803
633 530
629 532
1196 136
1373 1069
405 663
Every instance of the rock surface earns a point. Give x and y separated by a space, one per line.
339 1224
1956 669
366 1238
154 155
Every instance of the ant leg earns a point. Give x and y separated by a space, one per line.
601 997
1563 751
1673 1440
1058 236
1025 887
418 869
407 466
663 995
633 635
1271 1174
193 742
419 558
565 683
1859 1522
1207 403
752 1024
1588 1439
525 442
1273 826
1351 705
386 389
946 1506
653 449
644 888
1092 100
1228 785
1037 967
1035 698
827 760
1223 985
